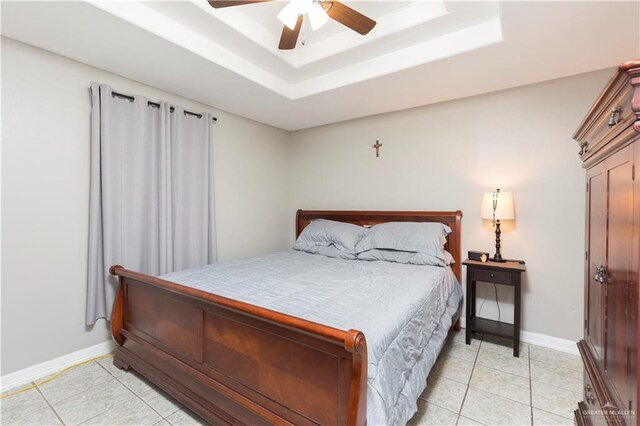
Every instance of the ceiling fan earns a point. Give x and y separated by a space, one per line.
318 12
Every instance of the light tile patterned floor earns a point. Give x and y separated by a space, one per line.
96 394
483 384
470 385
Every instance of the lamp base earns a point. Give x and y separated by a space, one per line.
497 257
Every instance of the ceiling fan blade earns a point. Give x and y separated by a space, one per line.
289 38
217 4
350 18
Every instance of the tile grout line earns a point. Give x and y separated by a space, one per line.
439 406
496 369
448 341
499 396
93 417
553 414
67 397
139 397
545 383
464 398
102 412
552 385
528 359
131 390
49 404
436 404
506 372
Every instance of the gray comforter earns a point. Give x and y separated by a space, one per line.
403 310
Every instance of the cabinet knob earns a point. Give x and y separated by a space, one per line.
583 148
612 117
492 275
599 275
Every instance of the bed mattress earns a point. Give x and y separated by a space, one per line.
404 311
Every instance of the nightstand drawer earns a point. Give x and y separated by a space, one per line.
502 277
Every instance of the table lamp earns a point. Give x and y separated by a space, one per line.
497 206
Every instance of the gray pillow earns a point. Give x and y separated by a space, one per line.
448 258
418 237
329 251
410 257
324 233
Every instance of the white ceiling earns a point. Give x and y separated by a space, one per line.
420 52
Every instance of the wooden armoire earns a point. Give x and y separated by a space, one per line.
609 141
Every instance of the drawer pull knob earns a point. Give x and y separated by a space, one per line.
591 399
612 117
583 148
492 275
587 387
599 275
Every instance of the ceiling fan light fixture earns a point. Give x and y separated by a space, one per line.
317 15
289 15
303 6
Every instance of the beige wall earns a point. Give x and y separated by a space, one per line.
45 197
444 156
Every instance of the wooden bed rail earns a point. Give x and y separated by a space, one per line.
234 362
347 338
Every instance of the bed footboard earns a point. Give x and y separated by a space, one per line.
231 362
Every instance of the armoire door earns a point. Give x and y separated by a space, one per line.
618 276
595 297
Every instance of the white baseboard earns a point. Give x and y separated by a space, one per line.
562 345
27 375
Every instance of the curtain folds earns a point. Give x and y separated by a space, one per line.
151 195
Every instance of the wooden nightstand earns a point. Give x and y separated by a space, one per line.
505 273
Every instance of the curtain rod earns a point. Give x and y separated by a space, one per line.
157 105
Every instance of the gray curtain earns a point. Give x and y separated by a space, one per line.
152 201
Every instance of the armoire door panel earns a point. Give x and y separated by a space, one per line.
596 240
633 330
618 276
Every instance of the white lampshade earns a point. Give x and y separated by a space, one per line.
317 16
503 205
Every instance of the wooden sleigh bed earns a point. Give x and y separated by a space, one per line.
235 363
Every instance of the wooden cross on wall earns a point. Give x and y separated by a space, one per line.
377 147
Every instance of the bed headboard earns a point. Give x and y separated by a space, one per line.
452 219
